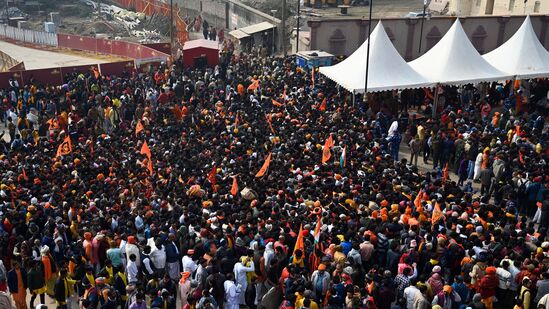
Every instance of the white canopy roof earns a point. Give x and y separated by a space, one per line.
454 60
522 55
387 70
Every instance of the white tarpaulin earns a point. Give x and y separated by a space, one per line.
454 60
387 70
522 55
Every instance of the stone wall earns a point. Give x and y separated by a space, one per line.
344 36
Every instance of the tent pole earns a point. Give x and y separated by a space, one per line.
435 103
368 52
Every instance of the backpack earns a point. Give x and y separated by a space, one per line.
521 191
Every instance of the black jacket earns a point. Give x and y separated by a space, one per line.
12 280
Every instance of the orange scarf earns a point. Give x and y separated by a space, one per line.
47 268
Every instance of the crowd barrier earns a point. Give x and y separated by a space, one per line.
111 47
55 76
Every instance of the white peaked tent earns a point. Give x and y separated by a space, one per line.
387 70
454 60
522 55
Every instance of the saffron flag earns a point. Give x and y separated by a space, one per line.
234 189
265 166
270 122
177 113
437 214
236 121
139 127
211 177
521 158
417 201
445 173
95 72
54 123
322 107
65 147
326 154
317 230
343 159
254 85
276 103
313 75
299 242
145 150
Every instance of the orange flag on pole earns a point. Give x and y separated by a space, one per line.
313 75
417 201
322 107
276 103
326 154
265 166
254 85
139 127
299 242
234 188
437 214
145 150
270 122
64 148
54 123
211 177
445 173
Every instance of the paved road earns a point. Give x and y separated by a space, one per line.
41 59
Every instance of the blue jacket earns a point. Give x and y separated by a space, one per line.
171 253
12 280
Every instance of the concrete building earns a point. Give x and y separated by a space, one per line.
340 36
497 7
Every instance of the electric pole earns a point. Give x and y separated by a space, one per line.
171 28
297 31
284 27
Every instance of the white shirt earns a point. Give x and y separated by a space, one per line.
504 277
158 257
131 270
410 294
188 264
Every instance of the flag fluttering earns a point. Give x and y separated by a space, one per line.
265 166
65 147
326 154
139 127
234 188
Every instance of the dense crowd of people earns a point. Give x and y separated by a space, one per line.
255 185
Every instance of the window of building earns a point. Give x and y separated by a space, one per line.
537 5
511 5
478 2
489 7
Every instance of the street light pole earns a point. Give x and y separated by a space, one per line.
421 30
297 31
368 51
284 27
274 28
171 27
